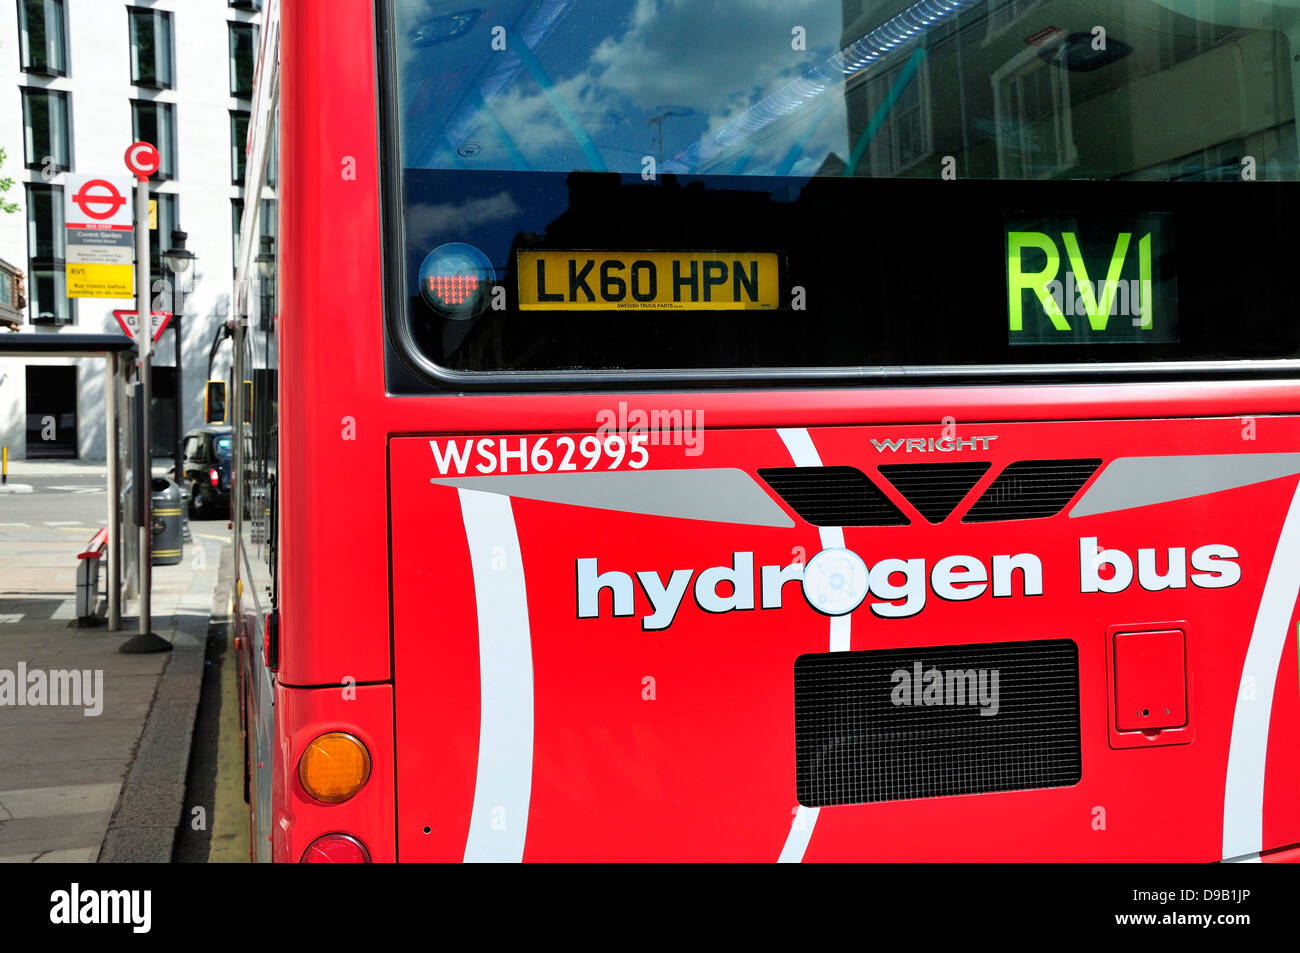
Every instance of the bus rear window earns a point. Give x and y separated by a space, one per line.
654 187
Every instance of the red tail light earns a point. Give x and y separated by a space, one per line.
214 476
336 849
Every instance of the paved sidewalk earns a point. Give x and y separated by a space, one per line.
21 469
101 775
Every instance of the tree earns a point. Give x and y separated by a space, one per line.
6 183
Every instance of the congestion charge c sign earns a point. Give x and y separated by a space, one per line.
142 159
456 280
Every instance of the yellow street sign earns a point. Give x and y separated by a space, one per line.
100 281
153 215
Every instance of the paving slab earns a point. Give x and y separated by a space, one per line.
65 856
59 801
53 774
40 834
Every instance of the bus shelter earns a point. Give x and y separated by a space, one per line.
116 350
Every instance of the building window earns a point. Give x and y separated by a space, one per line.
45 116
13 295
1003 14
236 223
151 47
267 227
1032 99
160 238
45 221
243 53
42 40
253 6
273 153
155 122
47 297
266 218
238 145
48 300
899 103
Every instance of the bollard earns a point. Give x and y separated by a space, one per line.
4 468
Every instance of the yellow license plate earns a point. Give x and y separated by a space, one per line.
647 281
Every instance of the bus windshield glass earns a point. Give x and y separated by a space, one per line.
1010 89
753 135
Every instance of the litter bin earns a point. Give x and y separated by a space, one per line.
166 511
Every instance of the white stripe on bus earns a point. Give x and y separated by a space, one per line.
799 442
503 788
1243 793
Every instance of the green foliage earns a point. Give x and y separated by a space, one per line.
6 183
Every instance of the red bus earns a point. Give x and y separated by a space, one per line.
756 431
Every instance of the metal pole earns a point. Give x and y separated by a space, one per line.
239 465
114 500
146 640
179 305
144 339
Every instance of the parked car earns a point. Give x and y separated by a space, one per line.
207 472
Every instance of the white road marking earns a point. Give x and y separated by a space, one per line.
64 523
9 618
67 609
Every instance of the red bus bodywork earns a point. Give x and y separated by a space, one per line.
378 586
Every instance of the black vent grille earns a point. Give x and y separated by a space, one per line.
854 744
1031 489
833 496
934 489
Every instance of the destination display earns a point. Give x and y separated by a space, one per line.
1075 279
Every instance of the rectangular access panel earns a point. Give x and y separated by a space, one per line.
1150 680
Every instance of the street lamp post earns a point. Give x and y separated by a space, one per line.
178 259
266 269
